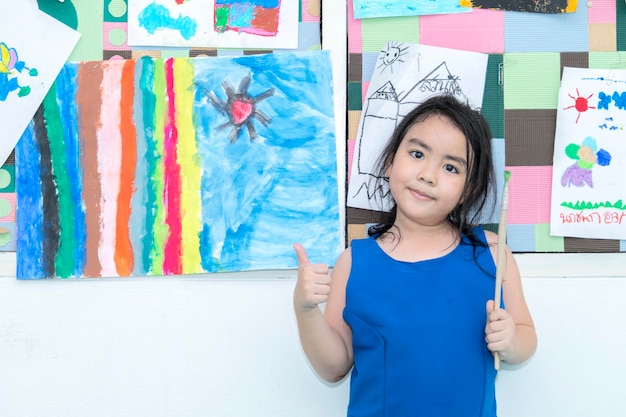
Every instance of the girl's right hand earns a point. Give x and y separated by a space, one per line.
313 285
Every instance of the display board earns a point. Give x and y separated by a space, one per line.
527 53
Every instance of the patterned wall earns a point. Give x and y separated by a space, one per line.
527 52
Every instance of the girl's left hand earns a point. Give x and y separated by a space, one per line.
499 331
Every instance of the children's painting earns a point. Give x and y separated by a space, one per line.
588 185
404 76
33 48
531 6
180 166
387 8
249 24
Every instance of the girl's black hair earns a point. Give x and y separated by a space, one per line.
480 166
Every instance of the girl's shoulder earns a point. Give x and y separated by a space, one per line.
483 235
491 237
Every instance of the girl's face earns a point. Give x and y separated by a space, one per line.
428 172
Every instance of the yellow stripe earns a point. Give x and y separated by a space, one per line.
190 167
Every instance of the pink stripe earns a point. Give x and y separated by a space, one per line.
109 151
351 144
355 36
478 31
601 11
529 194
365 85
172 263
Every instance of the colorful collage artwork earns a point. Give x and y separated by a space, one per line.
265 24
588 198
530 6
179 166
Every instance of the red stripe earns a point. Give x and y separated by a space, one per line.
172 263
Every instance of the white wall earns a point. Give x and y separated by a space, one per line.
228 347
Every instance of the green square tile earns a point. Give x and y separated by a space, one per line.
355 96
174 53
377 32
608 60
7 179
620 25
493 98
115 11
531 80
546 243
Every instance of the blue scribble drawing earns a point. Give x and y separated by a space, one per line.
157 17
10 66
586 156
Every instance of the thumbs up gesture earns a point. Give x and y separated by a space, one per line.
313 285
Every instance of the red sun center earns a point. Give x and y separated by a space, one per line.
241 110
581 104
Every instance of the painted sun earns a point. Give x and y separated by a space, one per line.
240 108
581 104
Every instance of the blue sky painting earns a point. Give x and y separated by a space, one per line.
273 181
388 8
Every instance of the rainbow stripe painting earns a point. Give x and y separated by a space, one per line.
154 167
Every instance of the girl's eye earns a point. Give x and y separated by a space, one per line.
417 154
451 168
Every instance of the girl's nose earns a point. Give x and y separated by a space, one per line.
427 175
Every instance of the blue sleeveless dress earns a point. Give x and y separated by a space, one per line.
418 333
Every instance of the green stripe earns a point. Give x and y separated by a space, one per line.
620 25
64 263
157 174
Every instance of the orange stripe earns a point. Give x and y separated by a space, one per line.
124 259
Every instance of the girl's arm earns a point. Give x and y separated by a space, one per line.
511 331
325 337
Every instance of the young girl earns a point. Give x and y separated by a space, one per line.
410 309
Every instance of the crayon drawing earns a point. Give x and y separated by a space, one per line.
10 69
386 8
588 198
530 6
258 17
249 24
404 76
179 166
33 48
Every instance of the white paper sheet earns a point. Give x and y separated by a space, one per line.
33 48
406 75
588 182
190 23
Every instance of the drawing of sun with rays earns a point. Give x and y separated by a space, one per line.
240 108
581 104
393 53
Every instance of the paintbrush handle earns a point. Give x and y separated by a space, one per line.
500 258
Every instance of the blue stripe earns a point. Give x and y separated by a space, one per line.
29 213
66 94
